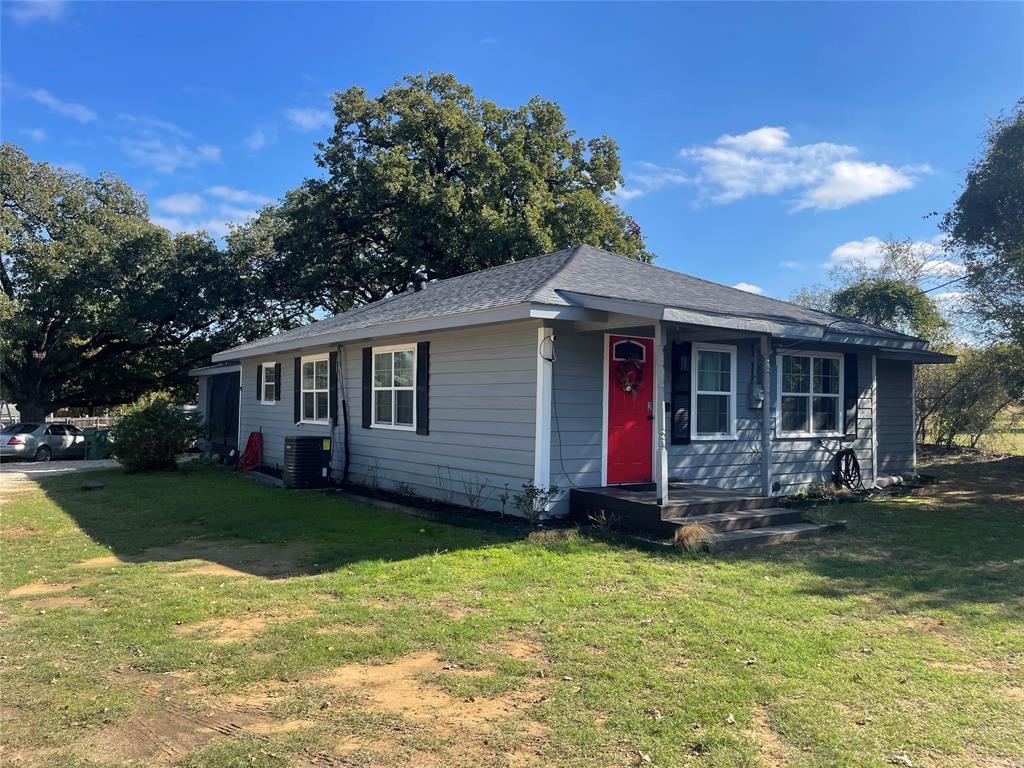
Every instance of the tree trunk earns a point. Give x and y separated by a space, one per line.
32 411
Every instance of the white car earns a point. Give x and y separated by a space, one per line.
41 442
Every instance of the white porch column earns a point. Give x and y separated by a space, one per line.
660 438
766 416
542 425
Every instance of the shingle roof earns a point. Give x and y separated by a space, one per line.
549 278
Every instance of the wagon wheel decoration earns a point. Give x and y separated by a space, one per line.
629 374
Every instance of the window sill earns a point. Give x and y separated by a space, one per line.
324 423
268 402
709 438
785 435
394 427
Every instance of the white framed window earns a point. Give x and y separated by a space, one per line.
394 387
810 394
316 388
268 384
713 403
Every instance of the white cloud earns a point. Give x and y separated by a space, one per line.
850 181
27 11
165 157
764 162
238 195
749 288
215 227
77 112
36 134
148 124
646 178
237 215
942 268
308 119
180 204
790 264
765 139
256 140
867 251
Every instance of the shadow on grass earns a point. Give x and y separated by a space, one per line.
210 514
961 541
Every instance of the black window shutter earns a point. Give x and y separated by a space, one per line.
680 388
851 392
297 390
259 382
277 381
367 387
423 388
332 407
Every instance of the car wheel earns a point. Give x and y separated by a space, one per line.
43 453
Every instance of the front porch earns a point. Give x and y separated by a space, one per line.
736 518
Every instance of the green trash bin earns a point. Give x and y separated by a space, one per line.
97 442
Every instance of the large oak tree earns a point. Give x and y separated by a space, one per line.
97 304
427 177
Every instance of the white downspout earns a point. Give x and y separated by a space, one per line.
874 420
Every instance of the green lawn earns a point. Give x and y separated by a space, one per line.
199 619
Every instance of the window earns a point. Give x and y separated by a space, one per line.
394 382
810 394
714 392
316 383
268 387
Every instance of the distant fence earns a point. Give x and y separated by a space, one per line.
85 421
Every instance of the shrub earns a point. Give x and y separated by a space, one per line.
151 432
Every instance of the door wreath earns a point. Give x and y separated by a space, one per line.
629 374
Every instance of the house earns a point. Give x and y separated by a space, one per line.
583 369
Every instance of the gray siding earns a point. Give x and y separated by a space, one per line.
483 384
895 417
482 417
797 461
726 463
577 388
576 447
277 421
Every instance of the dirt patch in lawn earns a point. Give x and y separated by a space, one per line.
174 719
37 588
221 557
18 531
772 750
520 649
62 601
223 631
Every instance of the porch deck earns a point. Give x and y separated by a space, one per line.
738 519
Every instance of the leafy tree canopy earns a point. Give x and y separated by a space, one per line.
427 177
987 224
895 304
97 304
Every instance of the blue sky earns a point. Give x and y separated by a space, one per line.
759 142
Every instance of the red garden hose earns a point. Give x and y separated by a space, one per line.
250 458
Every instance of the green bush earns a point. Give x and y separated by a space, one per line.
151 432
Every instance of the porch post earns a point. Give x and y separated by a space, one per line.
660 440
542 423
766 416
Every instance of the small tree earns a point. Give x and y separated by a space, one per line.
150 433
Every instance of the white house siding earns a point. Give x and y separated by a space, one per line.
483 384
895 417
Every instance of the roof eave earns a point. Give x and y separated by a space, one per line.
440 322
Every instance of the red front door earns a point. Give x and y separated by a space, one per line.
630 415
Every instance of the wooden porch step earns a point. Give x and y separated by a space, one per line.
701 505
741 521
751 538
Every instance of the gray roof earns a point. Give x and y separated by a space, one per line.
551 279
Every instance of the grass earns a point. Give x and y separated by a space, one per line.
199 619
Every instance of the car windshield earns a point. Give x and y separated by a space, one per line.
19 429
